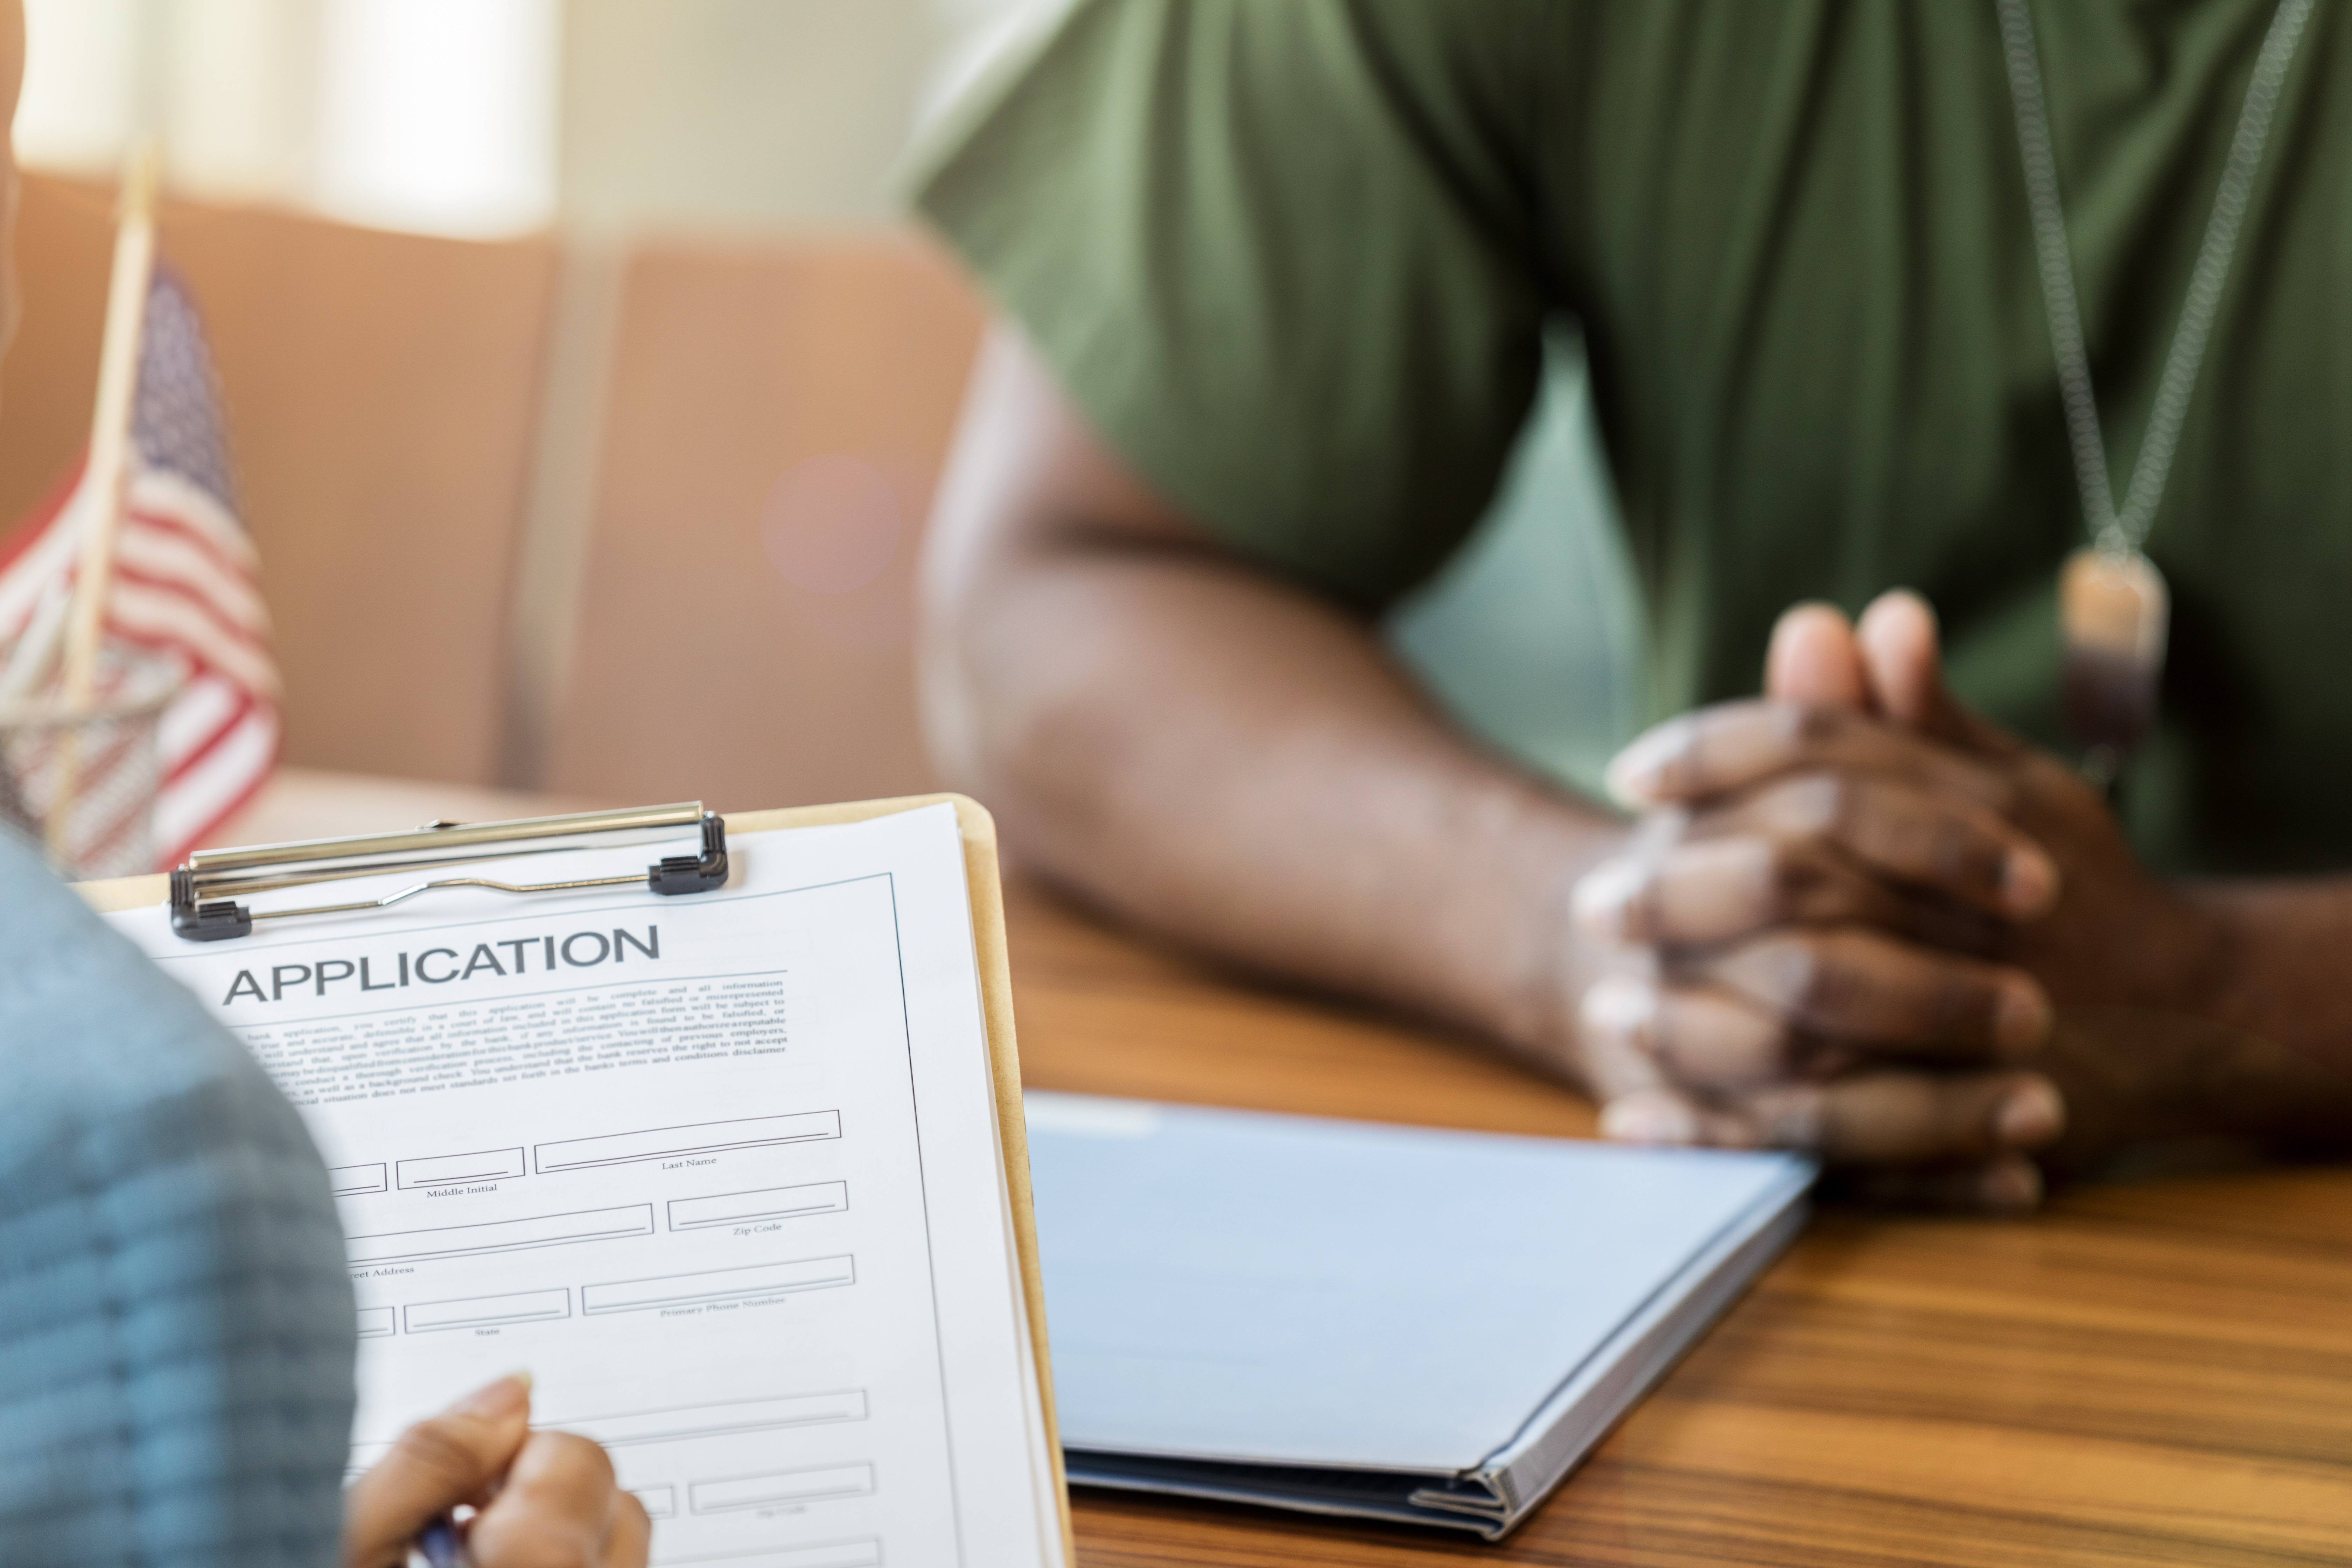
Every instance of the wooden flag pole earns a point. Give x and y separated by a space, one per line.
109 464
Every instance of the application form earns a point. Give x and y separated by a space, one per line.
722 1172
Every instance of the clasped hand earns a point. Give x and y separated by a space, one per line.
1849 917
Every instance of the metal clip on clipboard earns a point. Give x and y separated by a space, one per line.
205 891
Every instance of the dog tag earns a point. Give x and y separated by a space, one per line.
2113 613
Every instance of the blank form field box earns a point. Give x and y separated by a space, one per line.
781 1487
488 1312
376 1323
446 1170
718 1420
767 1203
867 1553
660 1501
349 1180
717 1285
677 1142
502 1235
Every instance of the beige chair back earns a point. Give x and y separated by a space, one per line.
382 395
777 416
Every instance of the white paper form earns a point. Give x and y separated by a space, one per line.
721 1170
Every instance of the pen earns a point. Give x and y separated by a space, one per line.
441 1546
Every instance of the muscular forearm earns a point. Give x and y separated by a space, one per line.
1223 758
1237 767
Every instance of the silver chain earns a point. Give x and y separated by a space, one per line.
2115 532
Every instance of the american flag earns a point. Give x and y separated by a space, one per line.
182 590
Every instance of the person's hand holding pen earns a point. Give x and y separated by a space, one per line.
542 1499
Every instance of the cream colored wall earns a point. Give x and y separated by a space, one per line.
738 114
428 116
482 117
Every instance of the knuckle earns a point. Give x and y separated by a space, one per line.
1680 742
1771 1053
1802 881
1816 801
1645 913
1836 801
1791 1116
1962 856
2000 791
1811 725
1958 1001
1828 987
1619 1009
1962 1122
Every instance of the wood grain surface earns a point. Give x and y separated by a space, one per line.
2150 1372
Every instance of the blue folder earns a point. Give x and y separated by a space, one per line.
1357 1318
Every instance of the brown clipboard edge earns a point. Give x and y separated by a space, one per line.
983 877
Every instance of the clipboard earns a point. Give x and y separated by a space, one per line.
452 845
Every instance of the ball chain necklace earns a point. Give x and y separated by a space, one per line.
2113 604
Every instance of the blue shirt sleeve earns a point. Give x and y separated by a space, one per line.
176 1332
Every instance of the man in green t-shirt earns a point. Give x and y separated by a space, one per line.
1274 280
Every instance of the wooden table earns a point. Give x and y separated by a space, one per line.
2151 1373
2155 1372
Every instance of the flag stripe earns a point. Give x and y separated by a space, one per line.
204 796
162 618
167 494
181 585
206 706
139 605
162 549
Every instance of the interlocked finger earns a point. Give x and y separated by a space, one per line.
2004 1184
1908 1118
1896 1120
1733 746
1943 845
1713 890
1669 1117
1864 987
1702 1037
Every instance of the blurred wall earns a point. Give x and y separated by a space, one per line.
483 118
745 131
778 414
738 115
721 123
428 116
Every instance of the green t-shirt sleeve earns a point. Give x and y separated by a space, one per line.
1282 254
